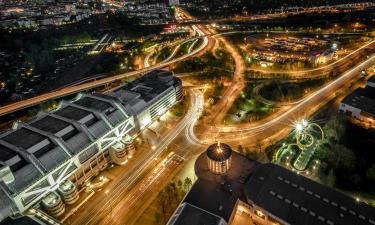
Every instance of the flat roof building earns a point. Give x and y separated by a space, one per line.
294 199
151 95
268 194
360 104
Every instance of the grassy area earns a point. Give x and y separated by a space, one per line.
280 91
246 108
164 53
185 48
182 107
208 66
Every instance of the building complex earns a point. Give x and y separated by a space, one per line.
360 104
44 161
253 193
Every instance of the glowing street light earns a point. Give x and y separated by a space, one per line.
334 46
304 122
299 127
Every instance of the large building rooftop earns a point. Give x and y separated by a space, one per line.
283 195
147 89
297 200
363 99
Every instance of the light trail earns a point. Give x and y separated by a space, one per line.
125 182
302 106
192 46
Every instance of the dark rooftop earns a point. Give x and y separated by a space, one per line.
17 160
72 113
219 151
152 84
220 191
93 103
363 99
23 138
50 124
24 220
6 153
298 200
192 215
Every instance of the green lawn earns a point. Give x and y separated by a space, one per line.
246 108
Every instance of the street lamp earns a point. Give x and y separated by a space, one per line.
299 127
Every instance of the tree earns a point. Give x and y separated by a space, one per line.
157 218
344 157
179 183
334 129
370 173
187 184
163 205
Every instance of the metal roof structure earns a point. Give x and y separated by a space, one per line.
285 196
148 89
295 199
38 155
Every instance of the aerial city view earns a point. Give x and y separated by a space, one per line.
187 112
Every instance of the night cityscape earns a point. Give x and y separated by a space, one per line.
187 112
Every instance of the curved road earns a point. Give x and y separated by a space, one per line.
269 129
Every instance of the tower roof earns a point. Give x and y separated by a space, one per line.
219 151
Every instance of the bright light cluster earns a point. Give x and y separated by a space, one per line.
301 125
